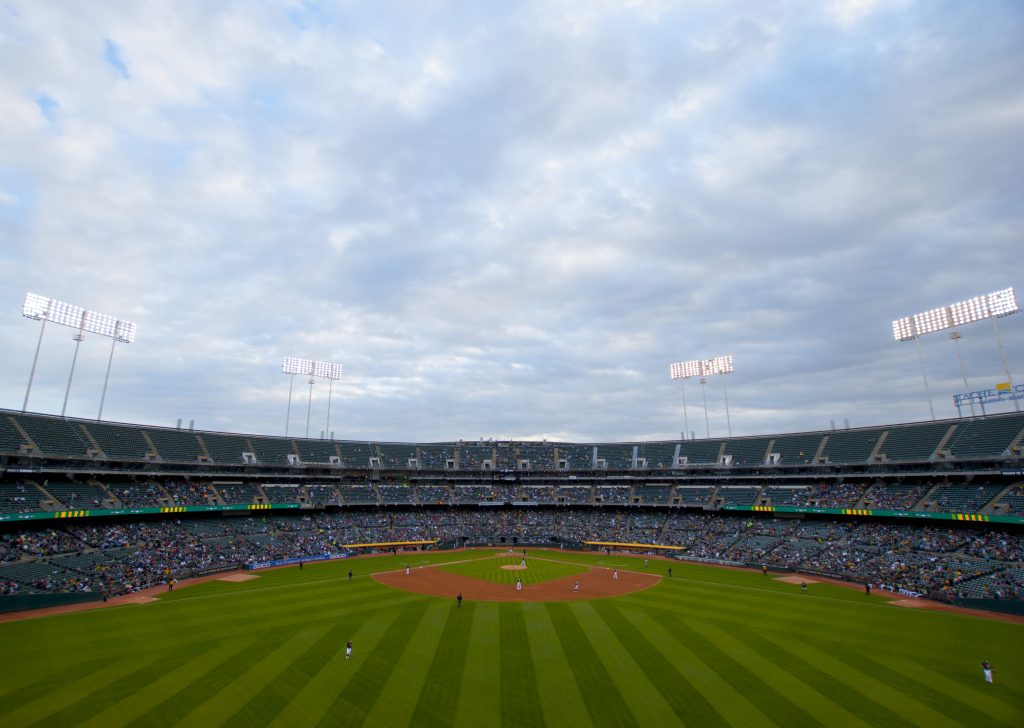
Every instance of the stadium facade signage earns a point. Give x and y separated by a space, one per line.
93 512
289 562
1002 393
979 517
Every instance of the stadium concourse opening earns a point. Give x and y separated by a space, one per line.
593 583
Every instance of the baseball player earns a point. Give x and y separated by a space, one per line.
407 571
615 574
348 649
576 586
986 670
519 584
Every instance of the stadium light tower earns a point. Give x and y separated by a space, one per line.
325 370
703 368
684 370
993 305
41 308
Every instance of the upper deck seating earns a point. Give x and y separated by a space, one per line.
913 442
700 452
225 449
272 450
175 445
355 454
53 435
396 456
119 442
747 451
988 437
658 455
618 457
850 447
797 449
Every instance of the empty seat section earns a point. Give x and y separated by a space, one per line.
850 446
119 442
53 435
355 454
963 498
10 438
272 451
617 457
751 451
699 452
989 437
578 457
658 454
316 451
797 449
914 442
175 445
225 449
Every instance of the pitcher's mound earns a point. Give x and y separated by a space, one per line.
513 567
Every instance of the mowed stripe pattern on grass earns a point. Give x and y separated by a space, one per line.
706 648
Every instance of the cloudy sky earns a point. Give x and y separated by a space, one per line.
507 219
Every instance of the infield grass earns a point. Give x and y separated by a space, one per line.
708 647
537 570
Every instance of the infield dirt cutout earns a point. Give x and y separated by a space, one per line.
795 580
594 583
238 577
513 567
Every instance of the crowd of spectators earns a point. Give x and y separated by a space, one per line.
121 557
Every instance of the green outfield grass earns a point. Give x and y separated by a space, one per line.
708 647
536 571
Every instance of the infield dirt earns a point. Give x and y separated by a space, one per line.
594 584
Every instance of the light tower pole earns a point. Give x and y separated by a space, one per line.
41 308
704 368
993 305
307 367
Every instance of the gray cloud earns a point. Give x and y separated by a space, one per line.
508 222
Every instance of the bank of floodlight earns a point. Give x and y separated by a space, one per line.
44 309
993 306
703 368
330 371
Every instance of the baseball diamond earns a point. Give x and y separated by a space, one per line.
710 646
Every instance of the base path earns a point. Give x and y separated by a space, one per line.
594 584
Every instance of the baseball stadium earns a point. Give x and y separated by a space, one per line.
168 576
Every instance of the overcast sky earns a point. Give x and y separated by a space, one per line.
508 219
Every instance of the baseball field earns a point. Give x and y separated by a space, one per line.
706 647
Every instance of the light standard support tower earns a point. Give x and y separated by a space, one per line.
993 305
41 308
703 368
307 367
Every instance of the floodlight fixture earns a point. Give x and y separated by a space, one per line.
41 308
994 305
330 371
685 369
703 368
